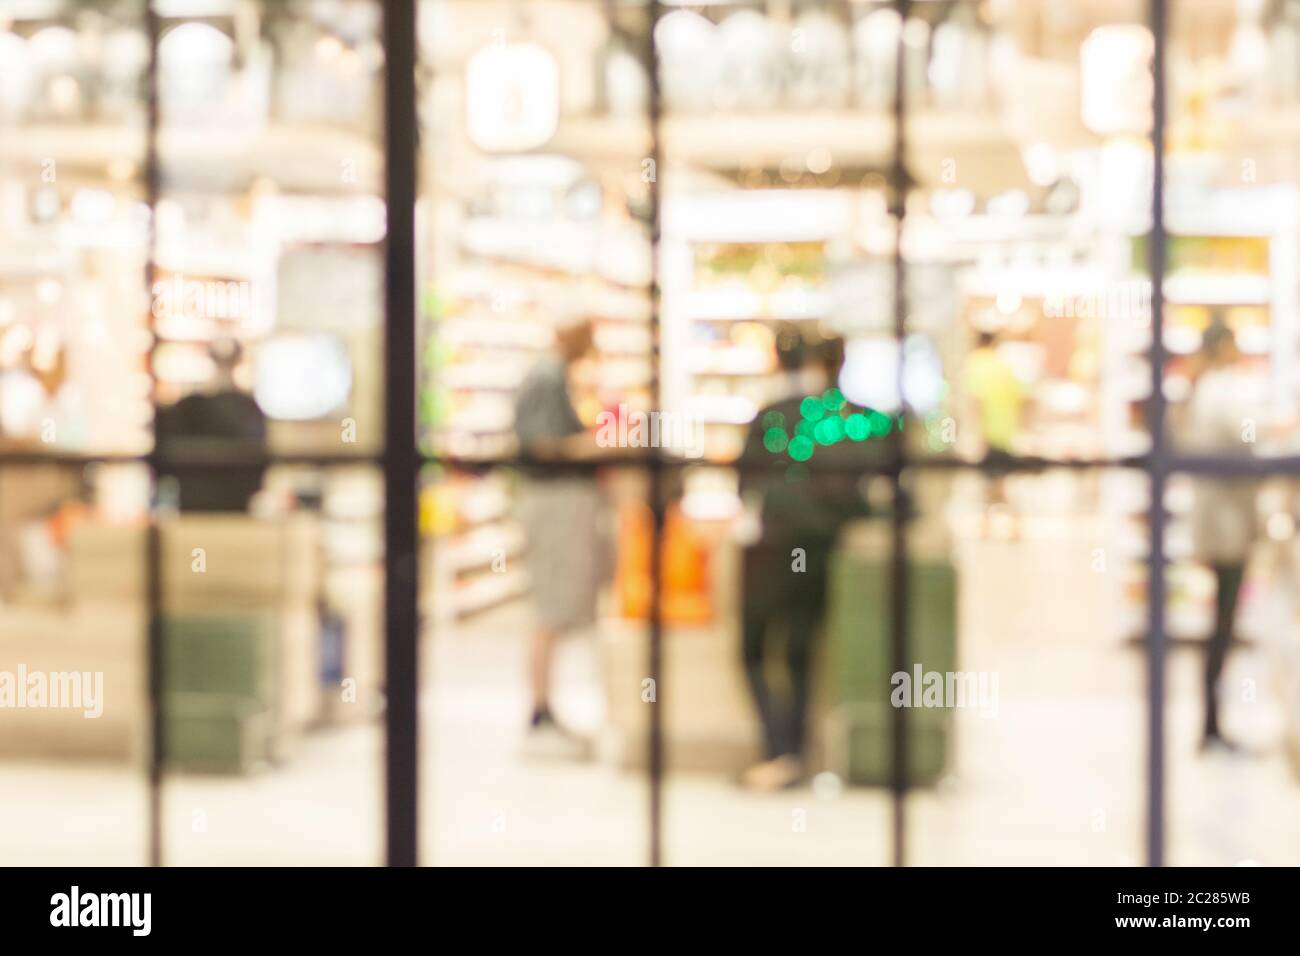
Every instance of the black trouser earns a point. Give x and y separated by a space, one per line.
781 603
1228 580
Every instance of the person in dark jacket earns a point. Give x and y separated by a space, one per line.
808 490
222 424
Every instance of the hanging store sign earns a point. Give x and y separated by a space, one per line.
512 97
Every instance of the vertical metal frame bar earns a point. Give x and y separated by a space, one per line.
655 657
898 565
401 457
153 534
1158 466
400 460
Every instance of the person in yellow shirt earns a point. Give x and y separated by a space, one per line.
997 391
998 397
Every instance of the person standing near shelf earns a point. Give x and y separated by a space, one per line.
1223 511
801 510
998 397
559 511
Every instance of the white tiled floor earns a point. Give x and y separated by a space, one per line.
1057 777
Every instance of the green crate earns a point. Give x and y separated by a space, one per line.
220 690
860 666
212 733
859 744
231 653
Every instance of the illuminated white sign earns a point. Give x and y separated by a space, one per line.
512 97
1115 62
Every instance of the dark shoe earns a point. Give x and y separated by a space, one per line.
769 776
1217 744
547 740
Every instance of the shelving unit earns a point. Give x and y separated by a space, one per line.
717 322
1254 218
309 158
854 138
476 546
538 239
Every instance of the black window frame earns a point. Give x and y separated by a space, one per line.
402 459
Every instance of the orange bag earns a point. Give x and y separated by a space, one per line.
687 584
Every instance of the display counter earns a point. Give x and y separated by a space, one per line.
709 719
240 623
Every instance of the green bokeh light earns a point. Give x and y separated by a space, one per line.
829 430
801 448
805 428
880 423
857 427
775 440
832 399
811 408
773 419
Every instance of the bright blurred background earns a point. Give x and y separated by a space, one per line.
1030 178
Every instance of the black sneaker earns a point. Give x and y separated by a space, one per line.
547 740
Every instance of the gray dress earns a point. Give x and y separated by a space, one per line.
559 512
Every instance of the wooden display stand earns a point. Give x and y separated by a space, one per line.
258 566
709 722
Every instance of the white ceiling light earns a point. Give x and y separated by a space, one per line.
1042 164
1115 62
195 64
512 97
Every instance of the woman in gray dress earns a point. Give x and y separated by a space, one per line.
559 511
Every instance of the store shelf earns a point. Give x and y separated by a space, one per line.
305 157
488 501
488 591
742 304
589 250
730 361
480 547
853 137
1219 289
483 375
723 409
759 216
483 328
1262 130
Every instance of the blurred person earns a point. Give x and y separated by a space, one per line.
998 399
222 423
35 394
560 512
1223 512
784 599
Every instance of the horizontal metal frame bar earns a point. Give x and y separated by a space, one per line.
1281 466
